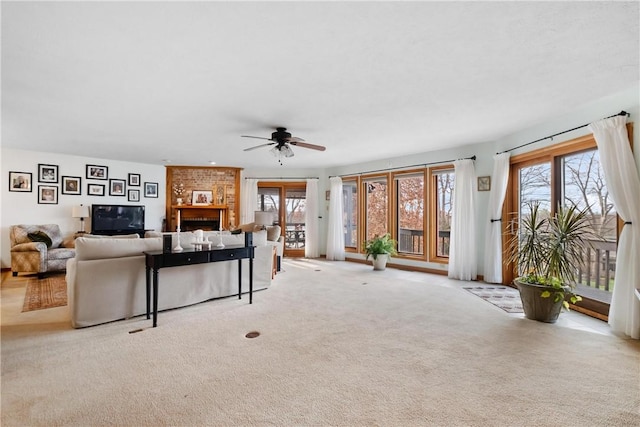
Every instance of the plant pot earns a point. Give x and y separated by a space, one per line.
380 261
535 307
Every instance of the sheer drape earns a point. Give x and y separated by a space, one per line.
493 238
335 229
311 243
463 263
248 200
623 183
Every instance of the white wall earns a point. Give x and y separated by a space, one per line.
23 207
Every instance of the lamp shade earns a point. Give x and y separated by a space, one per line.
80 211
263 218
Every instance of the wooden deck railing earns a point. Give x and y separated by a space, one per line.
598 269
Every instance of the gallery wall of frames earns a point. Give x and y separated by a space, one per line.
43 188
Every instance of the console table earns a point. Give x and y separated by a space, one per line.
156 260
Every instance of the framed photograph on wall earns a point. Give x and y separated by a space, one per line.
151 189
20 181
201 198
134 195
97 172
95 189
117 187
48 194
48 173
484 183
71 185
134 180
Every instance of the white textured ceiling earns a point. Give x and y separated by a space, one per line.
149 81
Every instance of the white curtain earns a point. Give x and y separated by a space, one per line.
248 200
493 238
623 183
335 232
311 243
463 263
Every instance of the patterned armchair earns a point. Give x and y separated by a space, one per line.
31 251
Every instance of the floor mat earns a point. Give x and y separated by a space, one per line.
505 297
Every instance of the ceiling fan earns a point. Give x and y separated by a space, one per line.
281 139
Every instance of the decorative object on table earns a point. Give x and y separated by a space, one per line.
220 245
133 195
48 194
97 172
484 183
151 190
134 180
48 173
117 187
263 219
95 189
71 185
548 250
20 181
178 248
380 248
178 190
166 243
201 198
81 212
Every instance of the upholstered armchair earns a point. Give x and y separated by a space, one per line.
38 249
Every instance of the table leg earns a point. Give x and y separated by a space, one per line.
250 280
155 297
240 278
148 283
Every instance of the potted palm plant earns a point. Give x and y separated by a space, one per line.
548 251
380 248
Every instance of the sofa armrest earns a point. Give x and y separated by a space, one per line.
29 247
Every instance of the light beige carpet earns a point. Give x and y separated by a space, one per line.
339 345
45 293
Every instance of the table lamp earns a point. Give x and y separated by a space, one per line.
263 219
81 212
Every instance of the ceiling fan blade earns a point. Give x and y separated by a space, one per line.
307 145
256 137
295 139
259 146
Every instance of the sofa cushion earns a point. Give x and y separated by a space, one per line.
118 236
88 248
40 236
60 253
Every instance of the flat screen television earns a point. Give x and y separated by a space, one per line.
117 219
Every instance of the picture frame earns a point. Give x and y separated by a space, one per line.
47 173
484 183
201 197
20 181
71 185
133 195
97 172
151 190
95 189
47 194
117 187
134 180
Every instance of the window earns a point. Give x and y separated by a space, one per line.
350 213
442 181
376 207
410 198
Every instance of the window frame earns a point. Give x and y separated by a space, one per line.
395 222
433 212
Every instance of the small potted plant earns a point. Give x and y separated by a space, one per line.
548 251
380 248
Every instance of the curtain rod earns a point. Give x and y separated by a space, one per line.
621 113
281 177
405 167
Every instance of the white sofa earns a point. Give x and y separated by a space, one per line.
106 281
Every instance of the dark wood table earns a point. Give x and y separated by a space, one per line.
155 260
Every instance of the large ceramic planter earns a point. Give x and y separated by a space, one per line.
535 307
380 261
